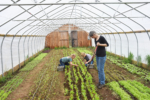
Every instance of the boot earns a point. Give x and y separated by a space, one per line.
101 85
98 84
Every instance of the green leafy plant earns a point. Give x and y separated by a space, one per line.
140 86
148 60
3 79
117 89
107 53
27 57
56 48
76 75
125 60
60 47
46 48
134 91
34 62
66 91
139 60
130 57
131 68
64 47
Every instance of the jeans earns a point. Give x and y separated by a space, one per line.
100 67
89 63
62 63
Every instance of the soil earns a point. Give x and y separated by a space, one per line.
13 74
46 51
123 71
57 90
105 93
23 90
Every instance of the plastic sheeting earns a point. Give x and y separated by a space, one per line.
120 46
20 51
43 19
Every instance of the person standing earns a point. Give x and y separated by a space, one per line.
100 43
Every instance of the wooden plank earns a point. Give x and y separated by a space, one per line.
142 31
1 35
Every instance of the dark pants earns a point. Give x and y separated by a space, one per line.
62 63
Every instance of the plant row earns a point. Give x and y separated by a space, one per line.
145 74
44 83
127 89
30 65
12 84
80 86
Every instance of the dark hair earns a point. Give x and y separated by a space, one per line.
92 33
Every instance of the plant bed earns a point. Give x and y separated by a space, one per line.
78 86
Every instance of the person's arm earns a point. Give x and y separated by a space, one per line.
85 61
90 59
105 43
73 64
99 44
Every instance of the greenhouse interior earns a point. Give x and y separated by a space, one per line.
74 49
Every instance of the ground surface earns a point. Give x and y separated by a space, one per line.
44 82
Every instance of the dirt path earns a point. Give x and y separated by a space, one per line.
23 90
58 88
105 93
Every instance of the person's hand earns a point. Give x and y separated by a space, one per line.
76 65
70 66
86 63
98 43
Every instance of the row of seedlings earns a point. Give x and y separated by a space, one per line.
43 87
128 90
145 74
80 86
12 84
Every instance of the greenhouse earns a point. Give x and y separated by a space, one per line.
74 50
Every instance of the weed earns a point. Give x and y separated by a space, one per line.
46 48
5 78
60 47
148 60
125 60
139 60
130 57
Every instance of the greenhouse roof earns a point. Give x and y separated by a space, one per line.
41 17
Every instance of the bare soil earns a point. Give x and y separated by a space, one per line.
23 89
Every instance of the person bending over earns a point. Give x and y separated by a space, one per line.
67 61
87 58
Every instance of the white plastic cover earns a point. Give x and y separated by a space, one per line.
43 19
